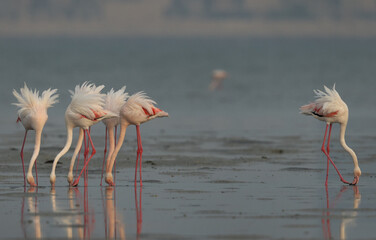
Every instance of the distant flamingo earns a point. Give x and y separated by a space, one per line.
138 109
330 108
33 116
85 110
218 76
113 102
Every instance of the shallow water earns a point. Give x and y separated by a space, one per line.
228 188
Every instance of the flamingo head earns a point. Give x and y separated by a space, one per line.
70 178
52 179
357 174
30 180
109 179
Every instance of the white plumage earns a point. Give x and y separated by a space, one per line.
33 116
328 106
30 102
87 102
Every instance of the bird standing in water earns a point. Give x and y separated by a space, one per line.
138 109
330 108
85 110
113 102
33 116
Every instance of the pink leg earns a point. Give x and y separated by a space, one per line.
327 155
75 183
139 154
78 160
22 158
135 171
86 169
323 147
115 159
104 158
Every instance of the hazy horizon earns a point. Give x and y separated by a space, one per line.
196 18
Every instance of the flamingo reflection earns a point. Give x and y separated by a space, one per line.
32 200
138 210
74 219
348 217
113 222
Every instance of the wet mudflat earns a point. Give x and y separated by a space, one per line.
196 187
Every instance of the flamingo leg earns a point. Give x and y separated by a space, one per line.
86 169
75 183
139 155
327 150
105 152
115 159
328 157
22 158
78 160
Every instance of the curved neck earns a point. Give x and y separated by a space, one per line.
78 148
38 135
65 149
344 145
111 161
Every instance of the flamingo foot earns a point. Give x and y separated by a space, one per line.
344 181
355 181
75 183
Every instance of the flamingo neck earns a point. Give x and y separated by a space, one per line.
344 145
111 159
38 135
65 149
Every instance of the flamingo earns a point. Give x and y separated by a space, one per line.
330 108
33 116
218 76
85 110
113 102
138 109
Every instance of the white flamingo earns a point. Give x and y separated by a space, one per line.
33 116
113 102
85 110
138 109
330 108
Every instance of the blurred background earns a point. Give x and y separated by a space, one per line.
274 53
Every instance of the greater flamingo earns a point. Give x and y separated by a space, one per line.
218 76
138 109
330 108
33 116
85 110
113 102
